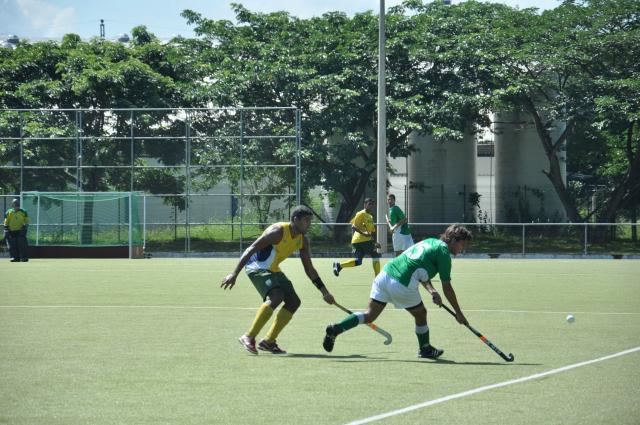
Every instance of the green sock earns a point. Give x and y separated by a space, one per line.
422 332
349 322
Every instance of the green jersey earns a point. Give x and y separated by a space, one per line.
421 262
395 215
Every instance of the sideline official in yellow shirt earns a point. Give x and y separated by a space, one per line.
16 223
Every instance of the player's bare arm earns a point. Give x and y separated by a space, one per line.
435 296
362 232
453 300
271 236
311 272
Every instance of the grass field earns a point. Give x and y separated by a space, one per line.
155 342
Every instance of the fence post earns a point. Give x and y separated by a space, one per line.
38 221
523 239
21 152
132 152
241 206
585 238
298 160
130 225
187 165
80 162
144 221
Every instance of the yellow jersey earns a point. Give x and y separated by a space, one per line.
15 219
362 221
270 257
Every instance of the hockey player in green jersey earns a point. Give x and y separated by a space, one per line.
399 283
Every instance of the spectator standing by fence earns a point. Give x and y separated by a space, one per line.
16 222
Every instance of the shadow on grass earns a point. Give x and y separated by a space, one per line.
359 358
446 361
331 356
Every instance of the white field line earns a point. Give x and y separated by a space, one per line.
489 387
195 307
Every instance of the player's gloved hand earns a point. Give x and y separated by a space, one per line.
23 231
437 300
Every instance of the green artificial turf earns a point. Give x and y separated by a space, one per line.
155 342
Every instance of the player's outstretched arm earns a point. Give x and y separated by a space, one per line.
271 236
437 299
453 300
311 272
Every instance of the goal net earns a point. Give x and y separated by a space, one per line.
84 219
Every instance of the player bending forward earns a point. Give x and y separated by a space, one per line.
399 283
262 260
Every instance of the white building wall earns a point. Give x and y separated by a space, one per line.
522 189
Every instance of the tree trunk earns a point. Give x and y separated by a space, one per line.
631 178
554 174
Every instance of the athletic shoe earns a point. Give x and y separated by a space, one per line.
248 343
336 268
330 338
430 352
271 347
15 260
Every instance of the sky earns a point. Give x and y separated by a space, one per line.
42 19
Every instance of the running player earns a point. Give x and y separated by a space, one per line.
363 240
399 283
397 222
262 263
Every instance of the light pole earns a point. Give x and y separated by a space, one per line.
382 136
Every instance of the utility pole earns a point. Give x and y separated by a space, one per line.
101 29
381 195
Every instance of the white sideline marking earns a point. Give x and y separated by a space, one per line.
489 387
205 307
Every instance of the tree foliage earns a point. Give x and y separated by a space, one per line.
447 68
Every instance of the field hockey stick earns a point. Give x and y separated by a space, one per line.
506 358
373 326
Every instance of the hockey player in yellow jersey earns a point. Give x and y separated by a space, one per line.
262 261
363 240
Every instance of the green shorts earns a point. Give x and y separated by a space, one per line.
266 280
361 249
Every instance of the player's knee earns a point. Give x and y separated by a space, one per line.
358 261
420 313
293 304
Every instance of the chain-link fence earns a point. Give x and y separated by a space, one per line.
205 173
494 240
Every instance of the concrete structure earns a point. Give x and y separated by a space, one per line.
447 172
523 191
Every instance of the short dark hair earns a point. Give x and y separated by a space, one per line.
301 211
392 196
367 200
456 232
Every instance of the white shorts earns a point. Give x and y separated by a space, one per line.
388 290
400 241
